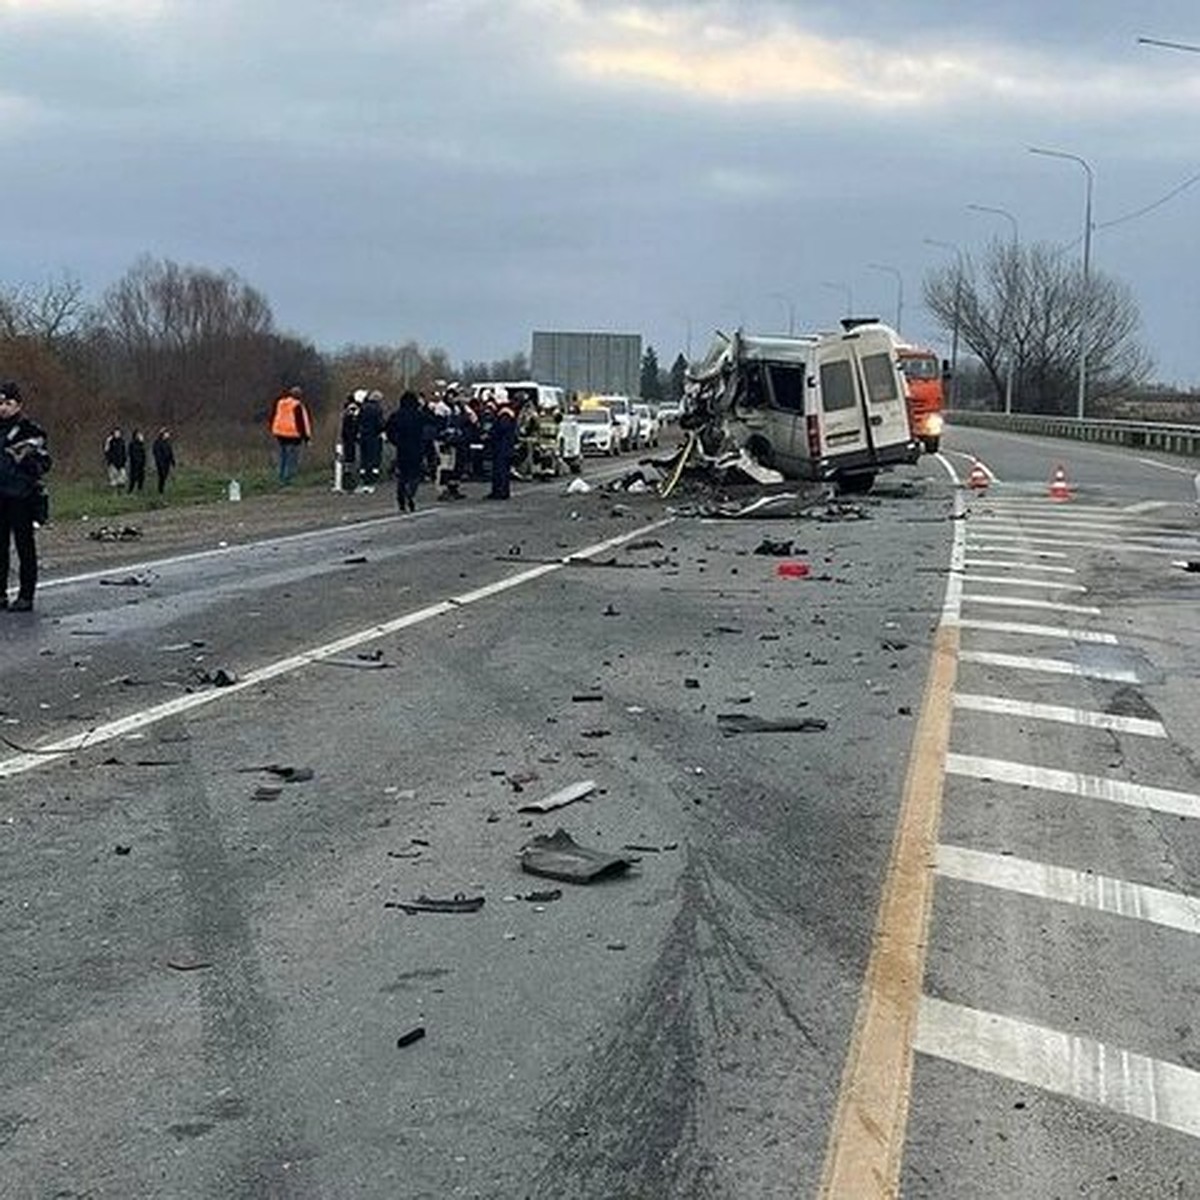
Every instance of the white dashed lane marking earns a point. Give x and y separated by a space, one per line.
1086 610
1116 1079
1048 666
1084 889
1025 629
1064 714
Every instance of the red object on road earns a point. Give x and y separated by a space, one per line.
978 478
792 569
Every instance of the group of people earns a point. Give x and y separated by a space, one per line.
125 462
478 437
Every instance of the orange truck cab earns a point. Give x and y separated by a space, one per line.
925 381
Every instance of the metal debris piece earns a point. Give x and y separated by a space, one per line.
561 798
559 856
429 904
1191 565
645 544
356 560
110 533
775 547
731 723
546 897
179 965
221 677
587 698
266 791
290 774
127 581
595 733
357 664
413 1035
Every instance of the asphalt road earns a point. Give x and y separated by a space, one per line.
204 991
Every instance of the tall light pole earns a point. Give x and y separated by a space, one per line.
895 273
791 310
959 271
1145 41
1085 320
846 291
1007 313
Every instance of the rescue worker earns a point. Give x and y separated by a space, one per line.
164 457
291 428
115 459
405 429
349 442
137 461
24 459
370 439
503 436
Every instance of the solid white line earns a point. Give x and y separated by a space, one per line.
1049 631
1149 1089
948 465
1086 610
1085 889
1091 787
1049 666
1028 566
990 549
1005 707
1007 581
235 548
952 603
22 763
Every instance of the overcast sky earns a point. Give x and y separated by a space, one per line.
465 171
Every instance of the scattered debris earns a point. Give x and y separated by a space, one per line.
793 569
775 547
413 1035
356 560
370 656
731 723
645 544
587 698
266 791
357 664
180 965
221 677
610 611
546 897
889 644
642 849
110 533
122 850
558 856
561 798
691 683
615 946
428 904
1191 565
577 487
404 854
595 733
127 581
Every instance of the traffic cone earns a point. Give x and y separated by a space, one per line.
978 478
1060 489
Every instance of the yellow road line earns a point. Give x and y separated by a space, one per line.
866 1141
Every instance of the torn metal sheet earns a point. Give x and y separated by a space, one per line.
558 856
731 723
429 904
561 798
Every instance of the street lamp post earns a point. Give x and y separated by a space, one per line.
1148 41
791 310
895 273
846 291
959 271
1085 321
1006 315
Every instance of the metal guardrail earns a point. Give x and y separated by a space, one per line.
1145 435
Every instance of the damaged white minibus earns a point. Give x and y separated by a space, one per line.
827 406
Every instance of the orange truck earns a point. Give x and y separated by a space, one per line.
925 380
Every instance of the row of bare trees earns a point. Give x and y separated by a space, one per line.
189 348
1027 309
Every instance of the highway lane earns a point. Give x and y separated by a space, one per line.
1057 1049
680 1032
204 991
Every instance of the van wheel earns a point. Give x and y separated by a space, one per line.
856 485
760 450
932 445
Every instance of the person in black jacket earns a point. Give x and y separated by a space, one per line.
349 442
503 436
406 430
24 459
137 461
115 459
164 457
370 438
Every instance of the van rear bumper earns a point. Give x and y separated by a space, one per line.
859 462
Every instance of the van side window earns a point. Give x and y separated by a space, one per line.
754 394
787 386
880 377
837 386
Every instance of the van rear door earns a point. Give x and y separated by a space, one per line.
842 420
883 390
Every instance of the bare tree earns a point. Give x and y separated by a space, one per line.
1031 303
48 312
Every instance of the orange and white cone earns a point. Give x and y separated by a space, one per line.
978 479
1060 489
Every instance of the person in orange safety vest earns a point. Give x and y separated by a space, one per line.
291 427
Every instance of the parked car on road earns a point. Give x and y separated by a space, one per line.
621 408
598 431
668 414
647 425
